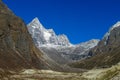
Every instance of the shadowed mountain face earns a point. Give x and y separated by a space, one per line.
16 46
107 53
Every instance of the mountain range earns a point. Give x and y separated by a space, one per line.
47 41
27 50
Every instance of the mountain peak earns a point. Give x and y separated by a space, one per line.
35 23
63 36
43 36
36 20
63 40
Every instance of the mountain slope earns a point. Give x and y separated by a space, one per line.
107 53
17 49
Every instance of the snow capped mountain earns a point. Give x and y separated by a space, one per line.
63 40
106 36
50 43
46 37
82 50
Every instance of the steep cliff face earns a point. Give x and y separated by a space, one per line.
16 46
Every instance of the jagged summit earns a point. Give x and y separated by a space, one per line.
36 19
36 23
63 39
46 37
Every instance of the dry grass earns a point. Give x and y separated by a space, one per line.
110 73
103 73
32 74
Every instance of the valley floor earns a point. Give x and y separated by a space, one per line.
112 73
31 74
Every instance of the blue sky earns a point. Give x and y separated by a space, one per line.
80 20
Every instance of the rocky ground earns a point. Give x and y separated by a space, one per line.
112 73
32 74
